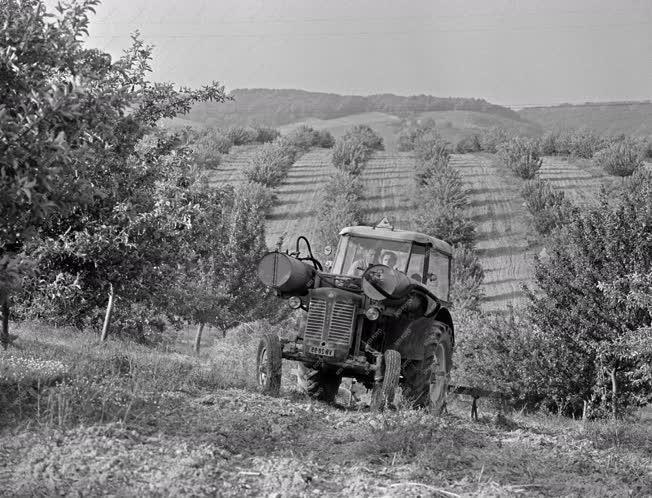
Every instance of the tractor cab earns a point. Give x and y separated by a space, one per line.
425 259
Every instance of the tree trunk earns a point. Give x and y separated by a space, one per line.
107 317
200 329
614 394
4 304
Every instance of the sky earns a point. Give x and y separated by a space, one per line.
516 53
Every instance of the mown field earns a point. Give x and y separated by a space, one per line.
135 421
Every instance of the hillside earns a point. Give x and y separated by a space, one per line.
607 118
279 107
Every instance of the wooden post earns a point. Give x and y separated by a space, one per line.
4 303
200 329
107 317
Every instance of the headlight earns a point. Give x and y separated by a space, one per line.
294 302
372 313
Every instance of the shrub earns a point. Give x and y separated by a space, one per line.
466 279
365 135
550 144
264 135
620 158
303 137
521 157
584 143
468 145
440 212
325 139
549 207
338 207
270 163
353 150
430 146
492 138
240 135
602 244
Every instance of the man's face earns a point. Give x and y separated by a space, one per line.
389 260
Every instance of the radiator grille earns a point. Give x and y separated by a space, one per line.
334 327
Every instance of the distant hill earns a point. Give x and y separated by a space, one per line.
279 107
608 118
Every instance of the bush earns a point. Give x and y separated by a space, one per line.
353 150
521 157
338 207
549 207
270 163
603 244
492 138
550 144
431 147
466 279
365 135
240 135
265 135
441 206
325 139
468 145
620 158
584 143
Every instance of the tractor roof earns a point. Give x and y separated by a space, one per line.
389 233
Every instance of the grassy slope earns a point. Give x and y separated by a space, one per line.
634 119
132 421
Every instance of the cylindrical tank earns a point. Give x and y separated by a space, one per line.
285 273
381 282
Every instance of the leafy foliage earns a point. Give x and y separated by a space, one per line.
271 162
96 196
306 137
492 138
339 207
352 151
621 158
549 207
521 157
602 244
466 278
468 145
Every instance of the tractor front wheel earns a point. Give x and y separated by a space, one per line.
268 364
382 395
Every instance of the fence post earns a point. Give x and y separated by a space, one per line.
107 317
200 329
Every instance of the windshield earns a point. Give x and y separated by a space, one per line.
356 254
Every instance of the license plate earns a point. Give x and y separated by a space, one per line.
321 351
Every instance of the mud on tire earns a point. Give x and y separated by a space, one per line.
319 385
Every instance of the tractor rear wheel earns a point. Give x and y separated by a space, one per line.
269 364
426 381
317 384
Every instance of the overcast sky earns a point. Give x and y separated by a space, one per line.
515 53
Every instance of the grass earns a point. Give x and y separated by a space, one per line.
128 420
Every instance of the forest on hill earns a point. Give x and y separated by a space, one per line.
606 118
277 107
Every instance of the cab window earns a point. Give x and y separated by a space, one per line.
417 259
438 273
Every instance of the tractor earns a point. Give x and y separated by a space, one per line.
377 312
